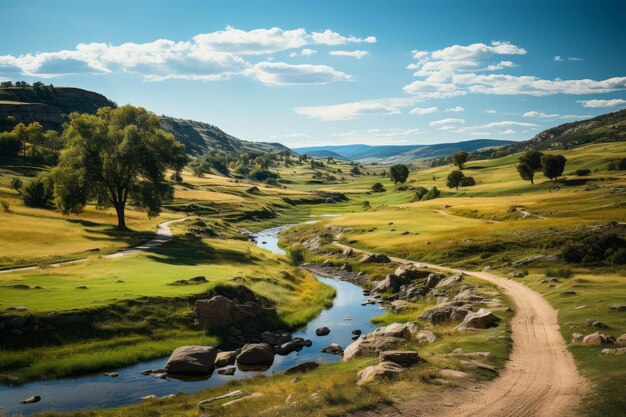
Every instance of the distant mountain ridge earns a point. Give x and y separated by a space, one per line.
399 153
52 106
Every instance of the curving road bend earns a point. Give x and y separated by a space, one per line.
540 378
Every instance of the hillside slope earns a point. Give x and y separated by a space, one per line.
610 127
51 107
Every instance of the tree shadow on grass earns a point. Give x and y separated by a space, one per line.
186 251
103 232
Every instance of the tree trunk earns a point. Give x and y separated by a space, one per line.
532 181
121 221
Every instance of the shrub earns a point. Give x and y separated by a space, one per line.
593 249
366 205
263 175
431 194
296 255
38 193
420 192
583 172
16 184
468 182
617 165
10 145
378 187
5 205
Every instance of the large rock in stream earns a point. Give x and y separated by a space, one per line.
191 360
256 354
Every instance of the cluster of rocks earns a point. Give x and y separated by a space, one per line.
203 360
602 339
341 272
383 338
243 314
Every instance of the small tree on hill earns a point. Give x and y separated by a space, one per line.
455 179
460 158
113 157
529 163
378 187
553 166
399 173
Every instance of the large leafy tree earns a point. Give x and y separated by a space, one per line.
399 173
460 158
529 163
455 179
114 157
553 166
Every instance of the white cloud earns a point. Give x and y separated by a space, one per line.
501 65
541 115
354 110
289 136
455 109
443 123
308 52
596 104
208 56
358 54
507 132
490 111
328 37
559 58
423 110
453 71
282 74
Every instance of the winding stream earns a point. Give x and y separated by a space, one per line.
98 391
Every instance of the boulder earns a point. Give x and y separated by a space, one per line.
191 360
424 336
256 354
333 348
618 307
482 319
294 345
375 258
226 358
322 331
216 312
616 351
32 400
399 357
444 313
621 340
384 370
328 264
348 252
450 280
479 365
274 338
432 280
577 337
383 338
410 272
597 339
302 368
391 283
595 323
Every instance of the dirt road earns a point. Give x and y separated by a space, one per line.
540 378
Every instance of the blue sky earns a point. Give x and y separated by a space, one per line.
333 72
